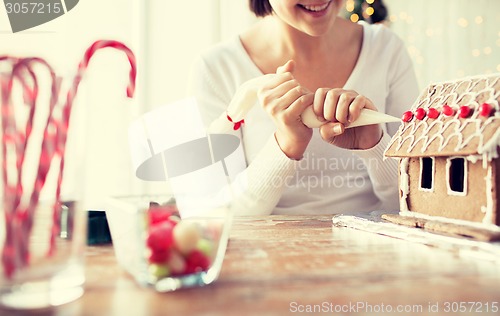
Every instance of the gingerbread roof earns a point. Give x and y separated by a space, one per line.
455 118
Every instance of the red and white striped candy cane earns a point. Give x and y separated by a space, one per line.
66 111
9 255
19 219
13 142
47 152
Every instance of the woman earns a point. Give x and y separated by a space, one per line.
310 57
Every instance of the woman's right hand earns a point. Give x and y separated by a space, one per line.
284 99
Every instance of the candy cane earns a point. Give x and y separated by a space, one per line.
11 258
7 123
21 140
12 138
47 152
66 111
9 254
246 97
19 220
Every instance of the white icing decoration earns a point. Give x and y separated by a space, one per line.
474 158
490 148
439 126
433 175
488 209
448 166
491 227
485 161
404 183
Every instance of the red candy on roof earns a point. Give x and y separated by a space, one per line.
407 116
432 113
420 114
485 110
464 111
447 110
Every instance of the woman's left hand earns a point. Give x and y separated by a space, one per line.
340 108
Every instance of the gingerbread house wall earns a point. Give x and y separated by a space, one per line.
495 190
479 204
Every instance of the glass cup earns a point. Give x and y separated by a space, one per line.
163 249
42 265
41 243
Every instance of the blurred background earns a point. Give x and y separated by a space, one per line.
446 39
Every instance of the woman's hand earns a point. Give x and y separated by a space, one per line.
284 99
340 108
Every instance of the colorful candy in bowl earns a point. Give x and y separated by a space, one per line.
163 250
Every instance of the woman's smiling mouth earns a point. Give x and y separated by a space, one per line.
315 7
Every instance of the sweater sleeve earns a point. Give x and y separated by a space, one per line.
260 186
256 187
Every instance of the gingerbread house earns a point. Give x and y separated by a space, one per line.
448 151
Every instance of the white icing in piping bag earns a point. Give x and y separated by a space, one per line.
246 97
366 117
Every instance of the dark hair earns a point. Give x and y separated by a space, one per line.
380 13
260 8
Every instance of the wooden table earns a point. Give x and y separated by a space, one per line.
281 265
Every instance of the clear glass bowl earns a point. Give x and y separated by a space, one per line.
164 250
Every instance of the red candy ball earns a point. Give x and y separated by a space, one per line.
420 114
407 116
485 110
447 110
160 237
432 113
196 261
464 111
161 256
160 214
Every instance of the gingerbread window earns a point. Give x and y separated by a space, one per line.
456 169
427 174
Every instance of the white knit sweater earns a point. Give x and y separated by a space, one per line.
328 179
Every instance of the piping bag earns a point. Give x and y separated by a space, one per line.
246 97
